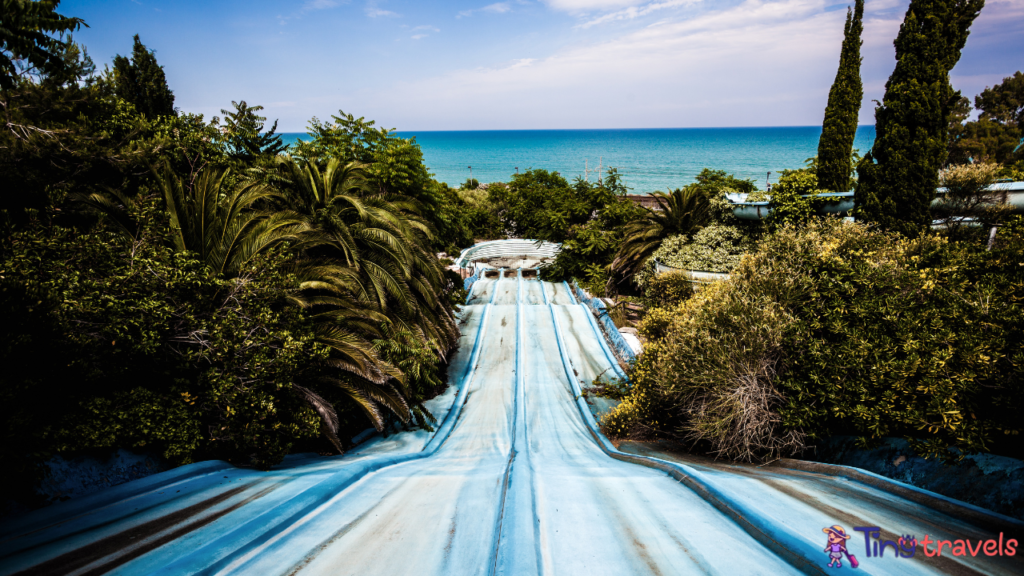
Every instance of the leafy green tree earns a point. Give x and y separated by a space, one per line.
898 177
366 272
542 205
481 215
243 134
66 133
26 39
998 133
589 246
141 81
1004 102
393 165
840 125
539 205
717 182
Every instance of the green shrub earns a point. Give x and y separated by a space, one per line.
667 289
481 214
716 248
967 196
110 344
841 329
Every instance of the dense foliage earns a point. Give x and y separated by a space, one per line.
840 329
839 128
715 248
997 135
28 44
181 286
898 177
394 164
586 218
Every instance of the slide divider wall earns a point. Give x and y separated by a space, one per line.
791 547
597 306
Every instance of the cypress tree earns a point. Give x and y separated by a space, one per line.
835 147
898 177
141 81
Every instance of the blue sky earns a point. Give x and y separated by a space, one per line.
526 64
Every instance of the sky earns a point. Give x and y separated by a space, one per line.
419 65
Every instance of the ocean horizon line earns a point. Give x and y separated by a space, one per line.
396 131
646 159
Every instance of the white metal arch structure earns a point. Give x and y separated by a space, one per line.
513 254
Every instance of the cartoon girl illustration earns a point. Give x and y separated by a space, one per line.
836 545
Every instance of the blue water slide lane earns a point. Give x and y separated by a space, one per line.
264 530
790 547
512 488
503 497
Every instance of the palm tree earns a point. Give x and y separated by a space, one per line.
365 272
222 227
362 271
684 211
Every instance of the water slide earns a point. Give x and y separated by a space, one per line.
516 480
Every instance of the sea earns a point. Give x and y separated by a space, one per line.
648 159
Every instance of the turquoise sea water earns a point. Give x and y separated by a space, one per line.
649 159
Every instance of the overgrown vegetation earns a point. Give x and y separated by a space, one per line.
840 329
190 287
998 133
183 286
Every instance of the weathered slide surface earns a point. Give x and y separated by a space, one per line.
514 481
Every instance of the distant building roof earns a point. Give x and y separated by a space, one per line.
645 200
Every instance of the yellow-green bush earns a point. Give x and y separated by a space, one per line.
667 289
840 329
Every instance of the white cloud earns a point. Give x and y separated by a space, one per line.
419 36
319 5
373 11
634 12
496 8
764 62
577 6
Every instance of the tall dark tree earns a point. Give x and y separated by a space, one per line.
898 177
26 36
141 81
835 147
